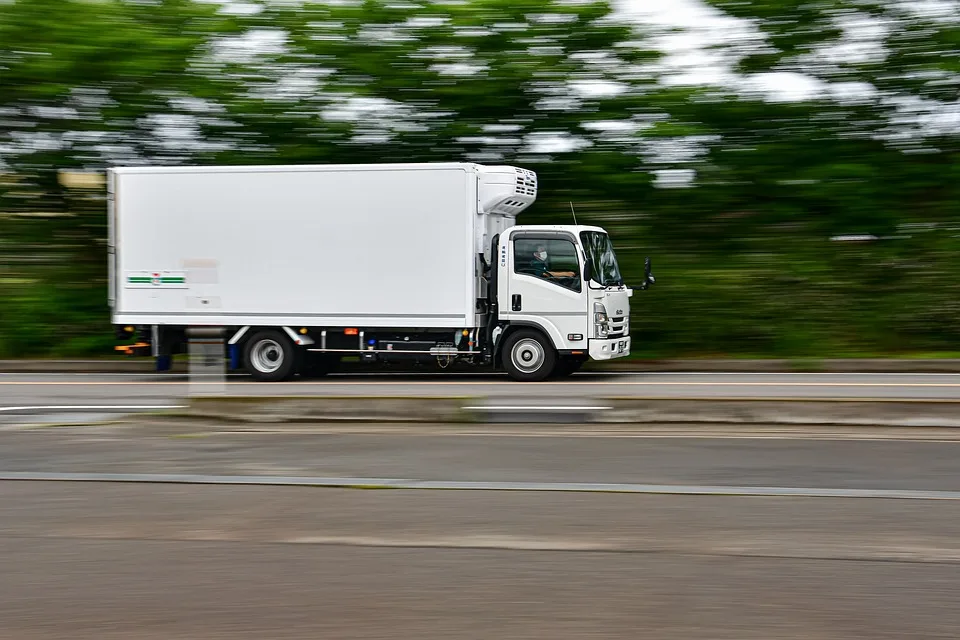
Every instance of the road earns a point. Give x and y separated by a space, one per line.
29 390
518 455
146 560
86 561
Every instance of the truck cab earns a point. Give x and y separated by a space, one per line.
561 282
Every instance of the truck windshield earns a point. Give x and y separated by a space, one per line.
600 255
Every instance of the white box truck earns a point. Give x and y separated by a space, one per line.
300 266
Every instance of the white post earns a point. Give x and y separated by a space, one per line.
208 364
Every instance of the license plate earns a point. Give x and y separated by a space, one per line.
621 346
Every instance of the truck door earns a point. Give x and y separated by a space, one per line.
546 288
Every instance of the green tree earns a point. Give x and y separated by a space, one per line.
83 84
378 81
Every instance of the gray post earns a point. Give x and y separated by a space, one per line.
208 365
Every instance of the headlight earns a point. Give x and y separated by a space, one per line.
601 320
599 312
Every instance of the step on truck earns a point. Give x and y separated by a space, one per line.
299 267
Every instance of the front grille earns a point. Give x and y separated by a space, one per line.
619 327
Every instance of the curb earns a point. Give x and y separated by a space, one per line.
319 409
863 412
833 412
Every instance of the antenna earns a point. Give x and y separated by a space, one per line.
574 215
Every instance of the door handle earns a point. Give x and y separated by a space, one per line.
516 302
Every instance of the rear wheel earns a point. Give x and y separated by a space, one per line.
271 356
528 356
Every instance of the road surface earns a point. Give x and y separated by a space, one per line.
482 454
41 390
151 561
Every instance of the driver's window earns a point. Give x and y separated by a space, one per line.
552 260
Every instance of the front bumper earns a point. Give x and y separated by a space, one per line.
609 349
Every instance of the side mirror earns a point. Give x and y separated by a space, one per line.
587 271
648 278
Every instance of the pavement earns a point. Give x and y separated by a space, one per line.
222 563
577 454
623 397
40 389
158 560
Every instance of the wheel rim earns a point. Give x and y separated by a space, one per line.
266 356
528 355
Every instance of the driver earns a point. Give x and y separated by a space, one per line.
540 268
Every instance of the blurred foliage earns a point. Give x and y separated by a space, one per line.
734 189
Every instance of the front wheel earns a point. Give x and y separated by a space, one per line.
528 356
271 356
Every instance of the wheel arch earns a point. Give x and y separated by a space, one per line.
295 354
240 335
511 328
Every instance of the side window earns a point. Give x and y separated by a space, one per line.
552 260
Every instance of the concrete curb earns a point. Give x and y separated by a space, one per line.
861 412
857 365
320 409
701 411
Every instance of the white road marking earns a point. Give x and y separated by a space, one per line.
454 485
534 408
58 408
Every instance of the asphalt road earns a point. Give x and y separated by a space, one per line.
487 455
29 390
146 560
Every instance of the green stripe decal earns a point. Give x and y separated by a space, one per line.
147 280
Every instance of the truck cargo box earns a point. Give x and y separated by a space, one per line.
321 245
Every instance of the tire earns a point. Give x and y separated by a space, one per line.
317 365
566 367
528 356
271 356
